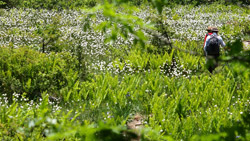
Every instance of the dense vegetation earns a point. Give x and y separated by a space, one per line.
81 70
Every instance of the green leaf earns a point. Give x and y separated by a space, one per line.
28 84
159 5
235 47
2 3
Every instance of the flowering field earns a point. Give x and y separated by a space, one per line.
63 79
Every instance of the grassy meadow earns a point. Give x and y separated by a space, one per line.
69 75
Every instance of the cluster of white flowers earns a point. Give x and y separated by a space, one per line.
25 103
191 24
175 70
19 27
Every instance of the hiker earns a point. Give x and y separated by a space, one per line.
209 32
212 49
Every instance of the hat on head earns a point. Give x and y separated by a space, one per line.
215 29
209 28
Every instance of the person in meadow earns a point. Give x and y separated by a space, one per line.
209 32
212 49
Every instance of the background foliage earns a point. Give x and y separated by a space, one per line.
82 70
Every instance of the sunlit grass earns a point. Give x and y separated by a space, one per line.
109 83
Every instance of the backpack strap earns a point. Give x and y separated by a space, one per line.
212 35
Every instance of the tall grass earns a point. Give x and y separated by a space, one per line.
87 89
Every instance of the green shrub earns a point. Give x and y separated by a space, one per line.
26 71
9 3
